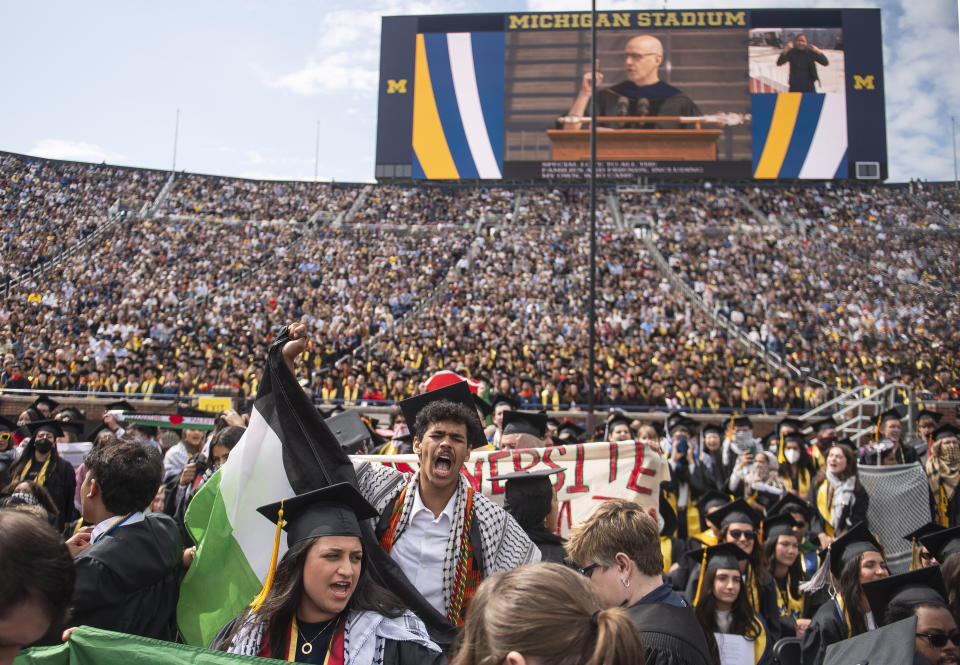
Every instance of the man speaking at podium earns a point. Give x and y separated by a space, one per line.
642 94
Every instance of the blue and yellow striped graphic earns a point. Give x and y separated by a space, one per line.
458 106
799 135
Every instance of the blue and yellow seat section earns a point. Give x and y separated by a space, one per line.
458 105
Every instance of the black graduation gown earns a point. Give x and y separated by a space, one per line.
714 477
550 544
671 635
905 455
852 514
826 628
61 483
129 581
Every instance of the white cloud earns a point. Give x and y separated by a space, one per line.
77 151
333 73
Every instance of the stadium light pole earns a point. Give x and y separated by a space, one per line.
953 126
592 355
316 156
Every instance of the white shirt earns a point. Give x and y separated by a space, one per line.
422 547
105 525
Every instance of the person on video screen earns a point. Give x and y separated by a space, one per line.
803 58
642 94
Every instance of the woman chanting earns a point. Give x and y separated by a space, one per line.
840 499
722 606
320 605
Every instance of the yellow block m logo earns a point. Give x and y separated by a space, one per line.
401 86
862 82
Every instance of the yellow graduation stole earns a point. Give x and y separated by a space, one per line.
666 549
350 397
803 481
707 538
788 604
824 507
328 394
552 399
817 456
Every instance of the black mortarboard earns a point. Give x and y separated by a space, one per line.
686 424
894 644
741 421
72 426
725 555
669 517
352 432
795 436
935 416
790 422
716 429
791 503
7 425
330 511
48 425
895 413
458 393
482 405
710 499
503 398
945 432
738 511
618 419
523 422
92 434
853 543
778 525
50 403
569 432
674 419
72 414
925 530
766 496
943 543
120 405
923 586
825 424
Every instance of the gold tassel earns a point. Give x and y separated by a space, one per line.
257 602
780 457
703 571
876 429
730 429
914 556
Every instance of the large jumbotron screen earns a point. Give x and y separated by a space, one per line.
744 94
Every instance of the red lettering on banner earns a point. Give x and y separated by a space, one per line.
518 454
565 512
638 470
492 460
561 477
476 479
578 473
613 461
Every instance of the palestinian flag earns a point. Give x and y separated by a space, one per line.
287 449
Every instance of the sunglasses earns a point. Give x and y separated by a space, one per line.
5 436
737 534
588 571
939 640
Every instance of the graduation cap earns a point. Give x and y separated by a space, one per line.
710 499
570 432
7 425
791 503
120 405
943 543
335 510
458 393
619 418
352 432
98 428
52 426
740 421
825 424
895 413
779 525
72 426
850 545
894 644
528 495
935 416
923 586
43 400
503 398
712 429
737 511
523 422
668 518
946 431
72 414
797 425
674 419
726 556
482 405
765 496
686 424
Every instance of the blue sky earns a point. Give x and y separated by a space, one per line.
252 79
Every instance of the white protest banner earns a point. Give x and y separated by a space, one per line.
590 474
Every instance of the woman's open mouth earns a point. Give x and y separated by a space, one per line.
340 590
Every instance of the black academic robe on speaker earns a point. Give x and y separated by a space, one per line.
129 581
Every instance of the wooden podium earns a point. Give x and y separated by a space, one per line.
674 145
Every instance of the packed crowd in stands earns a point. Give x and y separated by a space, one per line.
183 301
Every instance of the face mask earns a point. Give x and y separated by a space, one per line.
43 446
950 454
792 455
